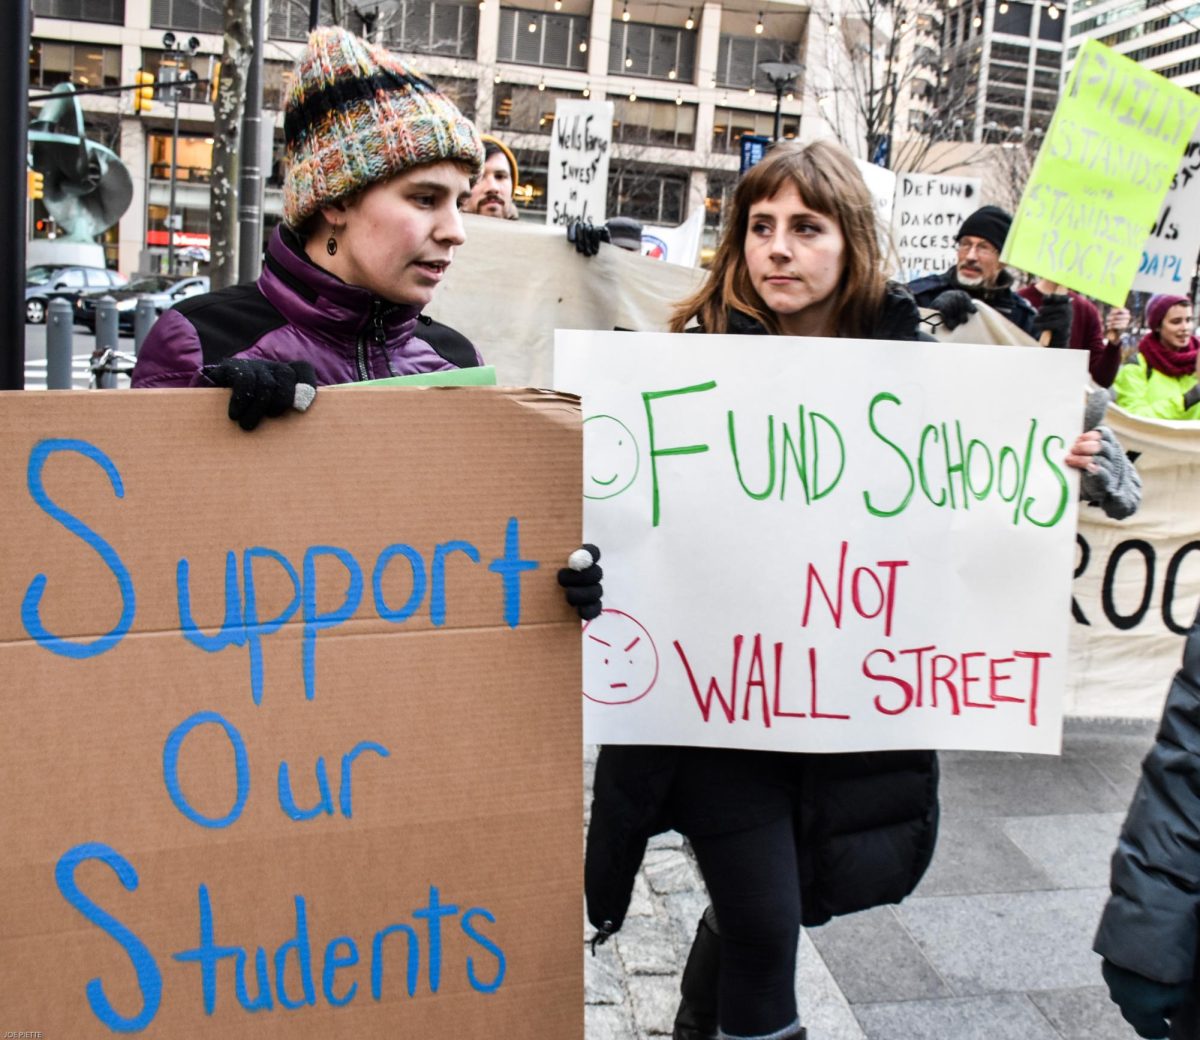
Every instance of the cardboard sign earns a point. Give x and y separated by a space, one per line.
929 211
288 746
577 172
1169 255
1098 183
826 545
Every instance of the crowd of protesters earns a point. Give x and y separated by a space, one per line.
380 165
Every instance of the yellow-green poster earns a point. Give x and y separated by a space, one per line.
1115 142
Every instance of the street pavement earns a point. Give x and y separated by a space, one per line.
83 343
995 944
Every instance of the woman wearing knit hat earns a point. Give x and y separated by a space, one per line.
379 165
1161 381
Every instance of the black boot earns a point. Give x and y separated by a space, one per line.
697 1015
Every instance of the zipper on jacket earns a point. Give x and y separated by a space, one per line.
378 336
360 358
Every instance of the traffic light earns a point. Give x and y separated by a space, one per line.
143 93
215 86
35 183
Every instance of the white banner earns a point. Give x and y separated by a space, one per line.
826 545
1169 255
577 174
1138 580
513 282
928 212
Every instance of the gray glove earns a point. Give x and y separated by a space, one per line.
955 307
1116 486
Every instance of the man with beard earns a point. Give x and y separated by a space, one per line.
492 195
978 274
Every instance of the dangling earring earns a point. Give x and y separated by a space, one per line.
331 245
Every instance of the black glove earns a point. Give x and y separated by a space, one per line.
263 387
1055 318
1145 1003
955 307
587 237
581 581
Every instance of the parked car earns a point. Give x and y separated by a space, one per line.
163 291
46 282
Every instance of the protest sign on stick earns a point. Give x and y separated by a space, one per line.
577 171
929 210
826 545
1098 183
289 747
1169 255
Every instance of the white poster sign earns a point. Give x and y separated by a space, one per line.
1169 255
882 184
826 545
928 213
577 177
676 245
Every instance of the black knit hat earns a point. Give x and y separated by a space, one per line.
987 222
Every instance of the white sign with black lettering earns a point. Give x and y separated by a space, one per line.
1169 255
577 179
926 217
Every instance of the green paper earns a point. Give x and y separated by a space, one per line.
1116 140
482 375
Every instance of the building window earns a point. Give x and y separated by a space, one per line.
729 124
84 64
1051 28
526 109
738 58
1017 19
652 51
433 27
554 43
277 81
109 11
172 63
646 192
654 122
193 158
186 15
288 19
463 92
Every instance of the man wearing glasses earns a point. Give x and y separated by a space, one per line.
978 274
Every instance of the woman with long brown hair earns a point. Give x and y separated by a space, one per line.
782 839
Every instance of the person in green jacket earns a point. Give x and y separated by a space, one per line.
1161 382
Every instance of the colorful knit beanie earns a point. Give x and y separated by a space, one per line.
356 115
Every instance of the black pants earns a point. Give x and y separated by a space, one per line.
752 880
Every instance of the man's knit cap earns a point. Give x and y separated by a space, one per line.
356 115
990 223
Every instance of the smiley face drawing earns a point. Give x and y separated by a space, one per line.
620 659
611 457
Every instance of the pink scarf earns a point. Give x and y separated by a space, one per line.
1164 359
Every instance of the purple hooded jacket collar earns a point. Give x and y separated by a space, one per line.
310 297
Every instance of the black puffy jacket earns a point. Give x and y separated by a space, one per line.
1151 924
866 822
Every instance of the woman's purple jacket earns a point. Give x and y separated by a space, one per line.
294 312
